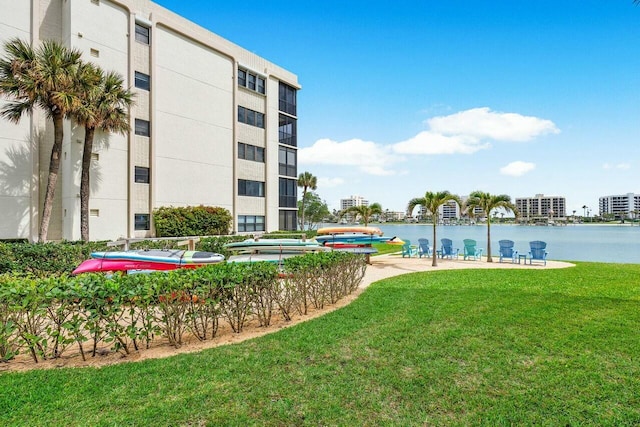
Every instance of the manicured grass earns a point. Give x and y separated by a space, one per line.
465 347
385 248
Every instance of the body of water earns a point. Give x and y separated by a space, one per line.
599 243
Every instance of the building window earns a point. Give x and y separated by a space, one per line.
143 127
95 53
250 223
141 222
287 99
250 117
251 81
250 188
287 160
142 34
288 193
142 175
250 152
143 81
242 78
288 221
287 129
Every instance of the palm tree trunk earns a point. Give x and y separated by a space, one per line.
434 263
489 259
304 193
85 183
52 180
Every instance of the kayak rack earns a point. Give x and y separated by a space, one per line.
190 242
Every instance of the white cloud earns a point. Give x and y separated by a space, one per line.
329 182
517 168
428 142
482 123
621 166
465 132
368 156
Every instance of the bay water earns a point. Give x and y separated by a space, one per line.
580 242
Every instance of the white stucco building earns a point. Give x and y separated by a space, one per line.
213 124
621 205
542 206
353 201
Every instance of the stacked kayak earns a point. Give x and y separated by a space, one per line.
352 239
147 260
344 230
271 250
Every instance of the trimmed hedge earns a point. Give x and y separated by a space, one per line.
46 316
46 259
191 221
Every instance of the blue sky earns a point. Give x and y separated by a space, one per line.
403 97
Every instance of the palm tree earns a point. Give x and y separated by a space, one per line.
432 202
41 78
363 212
487 203
104 107
306 181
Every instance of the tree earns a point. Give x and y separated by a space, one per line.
363 212
306 181
316 210
487 203
104 107
43 78
432 202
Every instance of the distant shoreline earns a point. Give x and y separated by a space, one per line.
494 224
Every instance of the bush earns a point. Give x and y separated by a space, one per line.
191 221
44 316
45 259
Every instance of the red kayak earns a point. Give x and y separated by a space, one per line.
104 265
346 245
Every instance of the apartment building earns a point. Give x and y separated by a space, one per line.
352 201
213 124
541 206
622 205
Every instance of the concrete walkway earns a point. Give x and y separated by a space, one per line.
390 265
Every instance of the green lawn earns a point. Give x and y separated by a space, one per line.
386 248
466 347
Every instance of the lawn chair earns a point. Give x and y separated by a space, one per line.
447 250
506 251
423 248
408 249
470 250
538 252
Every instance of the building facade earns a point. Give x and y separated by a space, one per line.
541 206
353 201
622 205
213 124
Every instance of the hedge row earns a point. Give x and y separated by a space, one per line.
46 316
45 259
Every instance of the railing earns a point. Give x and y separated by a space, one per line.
189 241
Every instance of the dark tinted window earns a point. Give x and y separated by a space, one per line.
141 175
143 81
143 127
142 34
